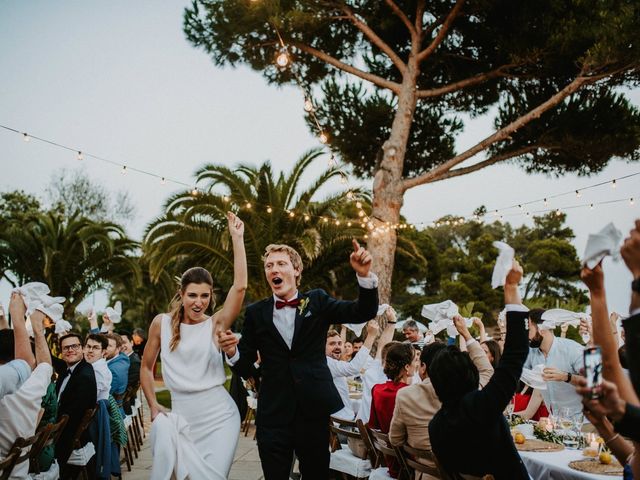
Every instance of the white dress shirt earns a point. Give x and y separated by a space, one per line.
103 378
340 370
66 379
374 375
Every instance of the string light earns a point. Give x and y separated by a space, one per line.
124 170
248 205
269 209
283 58
613 184
591 207
26 137
80 156
332 161
194 192
306 218
323 138
631 201
163 181
292 214
578 193
308 105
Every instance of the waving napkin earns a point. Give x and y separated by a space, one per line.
441 316
115 313
32 294
533 377
358 327
503 264
599 245
62 327
558 316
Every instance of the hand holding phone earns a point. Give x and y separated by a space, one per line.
593 370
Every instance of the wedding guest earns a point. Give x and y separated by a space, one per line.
471 418
16 357
95 346
77 393
529 404
412 333
374 373
19 410
139 338
118 363
341 369
347 351
133 380
417 404
492 350
357 344
563 361
399 368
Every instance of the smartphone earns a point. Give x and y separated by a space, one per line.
593 370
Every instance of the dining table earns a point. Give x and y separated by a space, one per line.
555 466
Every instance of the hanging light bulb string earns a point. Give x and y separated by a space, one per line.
81 155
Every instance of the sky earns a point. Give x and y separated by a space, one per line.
119 80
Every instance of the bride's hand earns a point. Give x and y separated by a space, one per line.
236 226
156 410
227 341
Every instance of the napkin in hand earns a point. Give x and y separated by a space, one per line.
115 313
32 293
533 377
503 264
558 316
599 245
358 327
441 316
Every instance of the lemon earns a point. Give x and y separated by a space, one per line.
519 438
605 458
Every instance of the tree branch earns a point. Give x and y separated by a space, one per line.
400 14
442 34
376 40
467 82
375 79
419 14
501 134
485 163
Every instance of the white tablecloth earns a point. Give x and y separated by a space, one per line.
555 466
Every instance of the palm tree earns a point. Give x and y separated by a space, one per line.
192 231
73 255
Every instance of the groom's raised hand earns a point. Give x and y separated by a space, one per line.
360 259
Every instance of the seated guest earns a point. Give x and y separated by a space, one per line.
77 393
417 404
469 435
399 368
139 341
563 360
340 369
347 351
19 410
528 403
95 346
357 344
133 380
118 363
492 350
412 333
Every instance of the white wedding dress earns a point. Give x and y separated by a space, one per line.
199 438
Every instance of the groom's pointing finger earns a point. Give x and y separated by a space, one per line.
356 245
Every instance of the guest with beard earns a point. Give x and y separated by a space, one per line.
562 358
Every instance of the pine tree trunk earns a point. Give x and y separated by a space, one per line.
388 194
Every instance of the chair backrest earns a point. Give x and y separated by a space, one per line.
7 464
412 459
84 423
382 444
339 426
366 438
57 430
25 445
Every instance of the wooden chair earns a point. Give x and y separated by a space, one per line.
349 464
412 457
50 437
77 439
383 446
23 447
7 464
252 406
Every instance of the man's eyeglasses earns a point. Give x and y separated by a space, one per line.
93 347
75 346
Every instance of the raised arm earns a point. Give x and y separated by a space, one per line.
630 252
235 298
148 364
387 333
43 355
603 335
22 348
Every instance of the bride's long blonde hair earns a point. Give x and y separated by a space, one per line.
193 275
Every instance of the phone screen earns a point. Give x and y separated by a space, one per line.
593 369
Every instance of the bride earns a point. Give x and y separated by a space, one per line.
198 438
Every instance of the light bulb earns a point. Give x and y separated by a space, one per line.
332 161
163 181
323 138
306 218
613 184
269 210
546 203
591 207
349 195
194 192
337 223
325 220
282 59
558 212
248 205
366 236
292 214
308 105
348 224
124 170
362 225
358 205
631 201
578 193
26 137
80 156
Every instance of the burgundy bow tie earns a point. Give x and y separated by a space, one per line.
289 303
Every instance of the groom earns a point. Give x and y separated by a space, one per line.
297 393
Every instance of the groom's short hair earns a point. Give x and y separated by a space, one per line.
294 256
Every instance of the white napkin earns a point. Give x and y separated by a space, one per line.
441 316
558 316
503 264
599 245
31 294
533 377
53 310
62 326
115 313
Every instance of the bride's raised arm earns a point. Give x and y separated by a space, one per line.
233 303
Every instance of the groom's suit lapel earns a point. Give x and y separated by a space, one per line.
267 314
299 319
